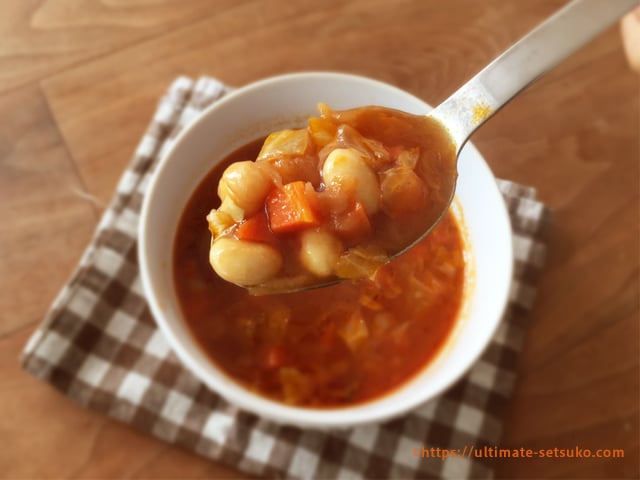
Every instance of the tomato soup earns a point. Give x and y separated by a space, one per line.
331 347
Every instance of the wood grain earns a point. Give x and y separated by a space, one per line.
41 37
93 72
583 343
46 221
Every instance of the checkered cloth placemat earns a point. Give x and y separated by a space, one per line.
100 346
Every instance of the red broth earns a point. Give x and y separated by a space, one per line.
331 347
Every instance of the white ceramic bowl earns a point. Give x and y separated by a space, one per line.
278 102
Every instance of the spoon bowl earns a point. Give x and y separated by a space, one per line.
483 95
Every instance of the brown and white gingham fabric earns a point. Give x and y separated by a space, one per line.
100 346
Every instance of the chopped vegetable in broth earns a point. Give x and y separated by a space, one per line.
331 347
334 200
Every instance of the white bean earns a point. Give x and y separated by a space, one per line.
243 262
246 184
319 252
345 169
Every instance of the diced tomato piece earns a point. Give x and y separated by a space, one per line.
290 209
255 229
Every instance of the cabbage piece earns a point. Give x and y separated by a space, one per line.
285 143
409 157
382 322
288 153
369 301
278 318
219 222
322 130
402 191
374 152
296 386
325 110
354 330
362 261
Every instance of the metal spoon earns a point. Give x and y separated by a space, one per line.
544 47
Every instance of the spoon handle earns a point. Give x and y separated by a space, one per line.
540 50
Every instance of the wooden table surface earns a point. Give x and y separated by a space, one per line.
79 80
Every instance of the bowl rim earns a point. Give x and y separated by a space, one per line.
234 392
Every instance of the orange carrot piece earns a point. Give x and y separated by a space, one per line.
255 229
290 209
